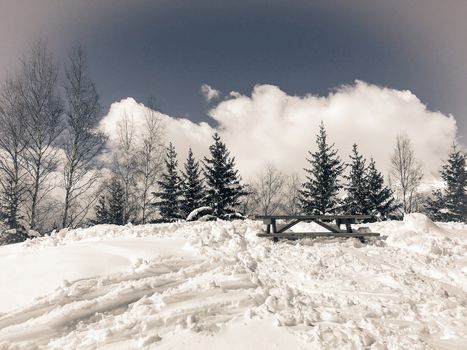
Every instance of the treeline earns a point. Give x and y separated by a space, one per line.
328 188
57 169
214 190
357 187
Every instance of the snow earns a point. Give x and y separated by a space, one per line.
195 213
203 285
78 260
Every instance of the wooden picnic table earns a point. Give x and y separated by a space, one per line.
334 230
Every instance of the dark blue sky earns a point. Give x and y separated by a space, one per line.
168 49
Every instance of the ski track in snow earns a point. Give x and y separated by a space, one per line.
405 292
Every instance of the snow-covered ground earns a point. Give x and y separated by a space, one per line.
215 285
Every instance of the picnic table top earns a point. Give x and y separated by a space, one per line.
311 217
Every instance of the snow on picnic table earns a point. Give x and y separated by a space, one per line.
216 285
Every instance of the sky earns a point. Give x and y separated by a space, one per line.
191 55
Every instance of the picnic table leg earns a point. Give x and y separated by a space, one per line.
274 227
338 223
268 228
274 230
348 227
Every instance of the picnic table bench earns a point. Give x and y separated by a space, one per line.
334 230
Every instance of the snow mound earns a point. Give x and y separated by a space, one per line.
198 285
421 223
419 234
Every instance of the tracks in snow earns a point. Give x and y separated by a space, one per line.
328 294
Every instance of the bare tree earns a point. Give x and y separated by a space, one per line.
150 155
269 187
83 141
406 173
291 195
126 165
12 147
248 201
42 108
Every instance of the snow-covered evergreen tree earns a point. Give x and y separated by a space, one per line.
9 211
223 182
381 201
101 211
192 186
436 206
357 199
319 192
452 204
169 194
455 177
116 211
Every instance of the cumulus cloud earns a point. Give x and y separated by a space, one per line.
182 132
272 126
209 92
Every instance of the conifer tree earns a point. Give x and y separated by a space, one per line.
357 200
192 186
169 204
436 206
319 192
101 210
452 204
9 210
455 176
116 209
222 180
381 200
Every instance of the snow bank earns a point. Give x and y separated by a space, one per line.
419 234
216 284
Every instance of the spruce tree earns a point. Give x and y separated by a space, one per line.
357 200
455 177
436 206
222 180
319 192
381 200
116 203
452 204
169 204
192 186
9 210
101 210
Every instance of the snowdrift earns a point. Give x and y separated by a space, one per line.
199 285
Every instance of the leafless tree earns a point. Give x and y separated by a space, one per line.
12 147
269 187
149 155
291 195
83 141
126 165
42 111
406 173
248 201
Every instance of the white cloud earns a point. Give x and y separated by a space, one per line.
272 126
182 132
209 92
